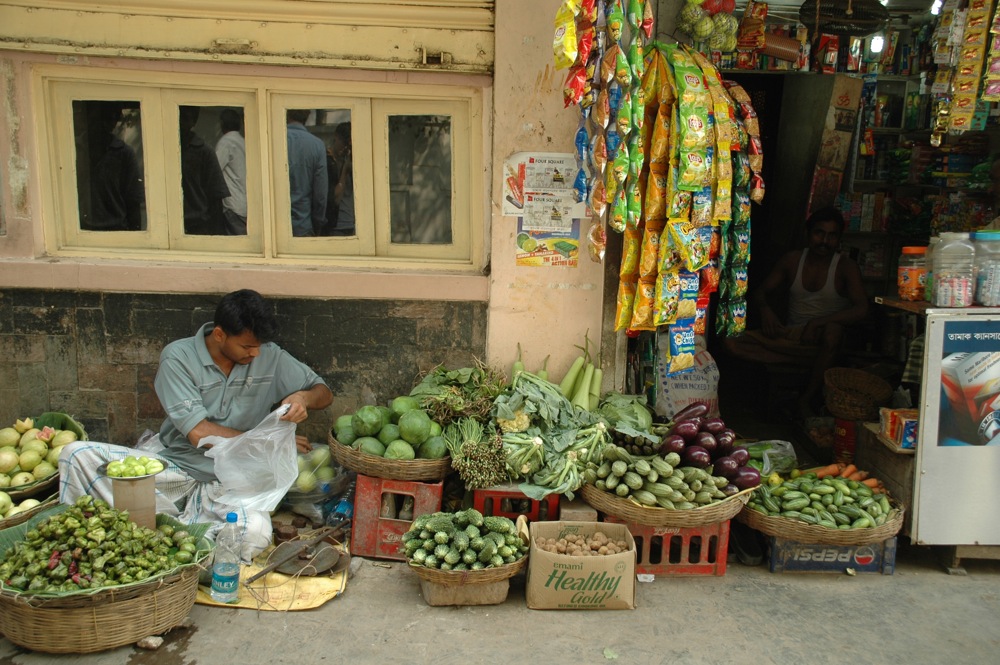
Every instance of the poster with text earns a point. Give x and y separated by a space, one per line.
970 384
530 175
548 246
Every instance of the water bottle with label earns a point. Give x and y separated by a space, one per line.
226 568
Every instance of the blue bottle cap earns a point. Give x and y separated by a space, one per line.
231 518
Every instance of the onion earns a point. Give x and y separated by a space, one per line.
696 456
746 477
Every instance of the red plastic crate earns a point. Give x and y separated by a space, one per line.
664 550
379 537
508 501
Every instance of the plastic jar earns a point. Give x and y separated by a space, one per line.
987 268
929 264
911 273
954 272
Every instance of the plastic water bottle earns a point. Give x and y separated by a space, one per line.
954 273
343 509
226 569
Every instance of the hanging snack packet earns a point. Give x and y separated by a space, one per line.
599 153
636 156
689 283
597 241
624 304
659 149
701 208
639 108
632 244
623 70
613 141
564 45
620 166
655 206
601 113
650 256
670 258
576 81
616 21
610 184
623 118
633 194
619 211
736 320
684 236
668 297
715 243
608 63
581 141
701 316
741 172
634 14
642 312
755 152
647 20
681 346
635 60
584 42
756 188
598 204
741 208
581 187
708 281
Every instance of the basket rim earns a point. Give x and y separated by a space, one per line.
792 529
466 577
379 467
719 511
26 515
32 489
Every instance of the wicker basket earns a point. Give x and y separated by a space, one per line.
463 577
87 623
713 513
853 394
390 469
22 492
26 515
813 534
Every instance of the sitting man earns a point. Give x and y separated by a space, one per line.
221 382
825 293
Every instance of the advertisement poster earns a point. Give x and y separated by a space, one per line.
538 190
548 247
970 384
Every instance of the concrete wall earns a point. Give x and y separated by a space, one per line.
94 355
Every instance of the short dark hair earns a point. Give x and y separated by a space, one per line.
245 310
298 115
343 132
827 214
230 120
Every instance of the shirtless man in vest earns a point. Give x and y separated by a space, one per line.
825 293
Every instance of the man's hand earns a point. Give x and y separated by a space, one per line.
770 324
298 410
302 444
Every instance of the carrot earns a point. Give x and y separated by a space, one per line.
858 475
871 482
830 470
848 470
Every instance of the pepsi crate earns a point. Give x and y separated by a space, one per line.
789 556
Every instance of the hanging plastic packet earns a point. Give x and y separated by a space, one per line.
670 258
581 186
689 282
608 61
755 152
639 108
599 153
681 345
668 297
588 11
740 246
655 206
647 19
581 141
659 150
597 241
632 243
636 157
741 172
736 319
564 45
624 304
701 315
642 311
688 244
633 14
633 196
623 69
598 204
636 62
613 141
741 208
756 188
611 185
623 117
701 208
619 211
615 21
620 166
709 278
650 255
584 42
573 89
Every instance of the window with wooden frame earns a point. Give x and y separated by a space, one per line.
209 167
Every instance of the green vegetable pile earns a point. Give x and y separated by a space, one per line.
834 503
476 453
462 541
448 395
92 545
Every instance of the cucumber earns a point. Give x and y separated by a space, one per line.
794 504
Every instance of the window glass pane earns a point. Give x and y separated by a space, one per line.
202 182
231 151
320 172
420 179
109 175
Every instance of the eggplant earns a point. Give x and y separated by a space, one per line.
707 441
726 467
713 425
740 454
693 410
697 456
687 428
724 448
726 437
730 489
746 477
672 444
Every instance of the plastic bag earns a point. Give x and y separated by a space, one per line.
257 467
776 456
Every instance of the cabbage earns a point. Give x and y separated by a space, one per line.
628 410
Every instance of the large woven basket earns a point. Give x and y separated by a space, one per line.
39 487
464 577
630 511
853 394
390 469
87 623
813 534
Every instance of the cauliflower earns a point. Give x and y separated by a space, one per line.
520 423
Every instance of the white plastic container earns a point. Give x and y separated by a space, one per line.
954 271
987 268
929 263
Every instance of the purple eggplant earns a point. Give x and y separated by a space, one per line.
723 449
672 444
713 425
726 467
696 456
740 454
726 437
730 489
687 428
693 410
707 441
746 477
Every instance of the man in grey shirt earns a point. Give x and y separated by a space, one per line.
307 176
221 382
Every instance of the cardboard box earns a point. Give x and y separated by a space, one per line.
562 582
